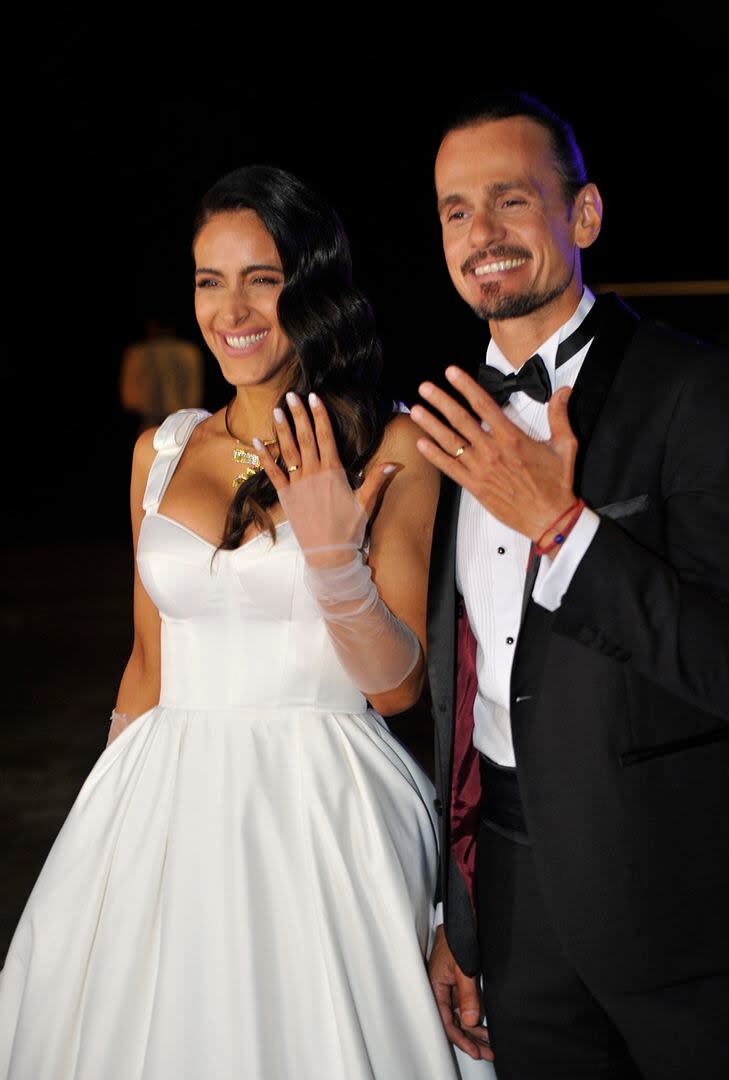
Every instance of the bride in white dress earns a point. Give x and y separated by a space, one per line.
244 885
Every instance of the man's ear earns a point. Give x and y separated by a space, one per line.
587 214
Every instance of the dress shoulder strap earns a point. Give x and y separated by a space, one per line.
169 441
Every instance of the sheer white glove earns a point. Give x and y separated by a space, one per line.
329 521
119 721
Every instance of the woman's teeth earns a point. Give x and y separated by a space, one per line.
245 340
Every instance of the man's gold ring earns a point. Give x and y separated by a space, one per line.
292 468
459 451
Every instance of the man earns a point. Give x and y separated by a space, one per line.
582 748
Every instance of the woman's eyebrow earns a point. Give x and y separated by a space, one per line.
245 269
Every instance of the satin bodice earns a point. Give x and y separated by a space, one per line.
239 628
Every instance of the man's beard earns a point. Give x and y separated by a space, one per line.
498 307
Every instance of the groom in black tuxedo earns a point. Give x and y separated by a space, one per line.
579 639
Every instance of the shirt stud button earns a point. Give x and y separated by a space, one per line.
510 641
501 550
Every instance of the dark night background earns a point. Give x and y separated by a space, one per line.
132 130
124 127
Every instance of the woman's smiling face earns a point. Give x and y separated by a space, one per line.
238 280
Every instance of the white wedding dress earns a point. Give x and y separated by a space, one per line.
243 886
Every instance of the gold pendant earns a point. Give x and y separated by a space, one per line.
247 456
252 464
242 477
251 461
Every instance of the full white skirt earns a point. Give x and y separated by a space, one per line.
233 895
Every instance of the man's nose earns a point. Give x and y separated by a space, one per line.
485 229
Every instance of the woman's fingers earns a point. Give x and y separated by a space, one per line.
368 494
304 433
286 442
269 466
310 448
328 453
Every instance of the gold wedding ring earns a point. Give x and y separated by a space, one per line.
459 451
292 468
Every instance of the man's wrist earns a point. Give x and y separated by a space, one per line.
555 574
551 540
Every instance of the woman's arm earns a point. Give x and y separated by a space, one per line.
400 541
140 684
368 623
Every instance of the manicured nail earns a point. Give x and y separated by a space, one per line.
313 400
257 443
453 374
278 415
389 469
426 389
292 399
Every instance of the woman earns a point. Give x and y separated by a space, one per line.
243 886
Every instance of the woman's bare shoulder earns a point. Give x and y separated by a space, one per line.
144 453
144 448
399 445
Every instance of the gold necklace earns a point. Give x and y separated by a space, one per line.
244 453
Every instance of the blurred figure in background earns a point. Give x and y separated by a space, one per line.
160 375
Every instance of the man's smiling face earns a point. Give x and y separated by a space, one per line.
510 234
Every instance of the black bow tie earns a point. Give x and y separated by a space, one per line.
533 378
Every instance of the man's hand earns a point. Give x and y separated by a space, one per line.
458 1002
524 483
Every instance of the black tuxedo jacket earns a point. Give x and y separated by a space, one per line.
620 698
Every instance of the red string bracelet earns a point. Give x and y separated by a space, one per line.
556 521
575 510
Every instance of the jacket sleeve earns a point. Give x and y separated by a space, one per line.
667 615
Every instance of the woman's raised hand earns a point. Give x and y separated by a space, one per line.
328 518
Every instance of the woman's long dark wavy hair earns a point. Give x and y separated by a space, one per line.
328 321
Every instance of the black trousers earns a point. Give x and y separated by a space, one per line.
546 1023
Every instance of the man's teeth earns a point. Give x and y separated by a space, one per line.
247 339
494 268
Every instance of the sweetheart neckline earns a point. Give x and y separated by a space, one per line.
204 540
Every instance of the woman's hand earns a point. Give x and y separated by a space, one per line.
376 649
328 518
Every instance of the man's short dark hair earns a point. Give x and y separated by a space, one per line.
506 103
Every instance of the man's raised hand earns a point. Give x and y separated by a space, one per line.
524 483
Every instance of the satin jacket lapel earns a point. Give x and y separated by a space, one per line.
588 398
590 391
598 372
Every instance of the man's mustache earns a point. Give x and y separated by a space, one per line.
499 252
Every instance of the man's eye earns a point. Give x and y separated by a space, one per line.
205 283
457 215
261 280
513 202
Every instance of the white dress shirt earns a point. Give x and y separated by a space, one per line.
491 559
